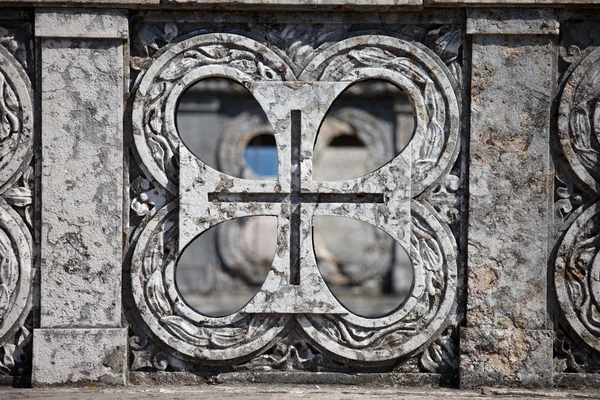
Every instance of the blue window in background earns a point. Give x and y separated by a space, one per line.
261 155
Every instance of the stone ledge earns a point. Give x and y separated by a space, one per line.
512 22
389 379
249 391
88 24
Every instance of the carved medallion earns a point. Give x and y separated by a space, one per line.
294 294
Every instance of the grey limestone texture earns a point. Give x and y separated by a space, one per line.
508 202
79 356
483 181
88 24
512 22
264 391
505 357
509 180
82 162
81 214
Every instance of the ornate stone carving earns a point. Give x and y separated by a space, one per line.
16 132
577 276
294 294
577 269
579 121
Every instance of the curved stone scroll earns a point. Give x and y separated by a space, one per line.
212 55
425 80
418 320
579 121
171 320
157 143
16 137
577 276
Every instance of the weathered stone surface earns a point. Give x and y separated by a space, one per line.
512 22
508 207
253 391
296 65
81 169
509 182
81 212
16 198
506 357
88 24
79 356
295 104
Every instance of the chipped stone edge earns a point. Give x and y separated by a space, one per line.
84 24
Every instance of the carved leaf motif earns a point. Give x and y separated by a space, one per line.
217 55
300 41
579 268
9 272
445 199
155 293
155 288
4 299
185 330
9 120
429 254
580 119
216 337
446 42
18 196
442 355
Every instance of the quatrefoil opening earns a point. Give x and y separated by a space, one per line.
386 198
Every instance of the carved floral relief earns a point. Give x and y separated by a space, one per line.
16 137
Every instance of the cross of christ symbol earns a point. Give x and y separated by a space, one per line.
294 283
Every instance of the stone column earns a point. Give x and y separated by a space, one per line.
507 341
81 63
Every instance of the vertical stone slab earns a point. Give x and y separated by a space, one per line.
81 53
506 341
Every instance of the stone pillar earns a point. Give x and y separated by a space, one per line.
81 62
507 341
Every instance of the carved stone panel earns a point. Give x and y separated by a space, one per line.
574 261
186 196
577 269
16 273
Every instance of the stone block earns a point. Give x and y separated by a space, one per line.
88 24
509 181
79 356
512 21
505 357
82 170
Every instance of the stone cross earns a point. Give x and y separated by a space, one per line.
296 117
